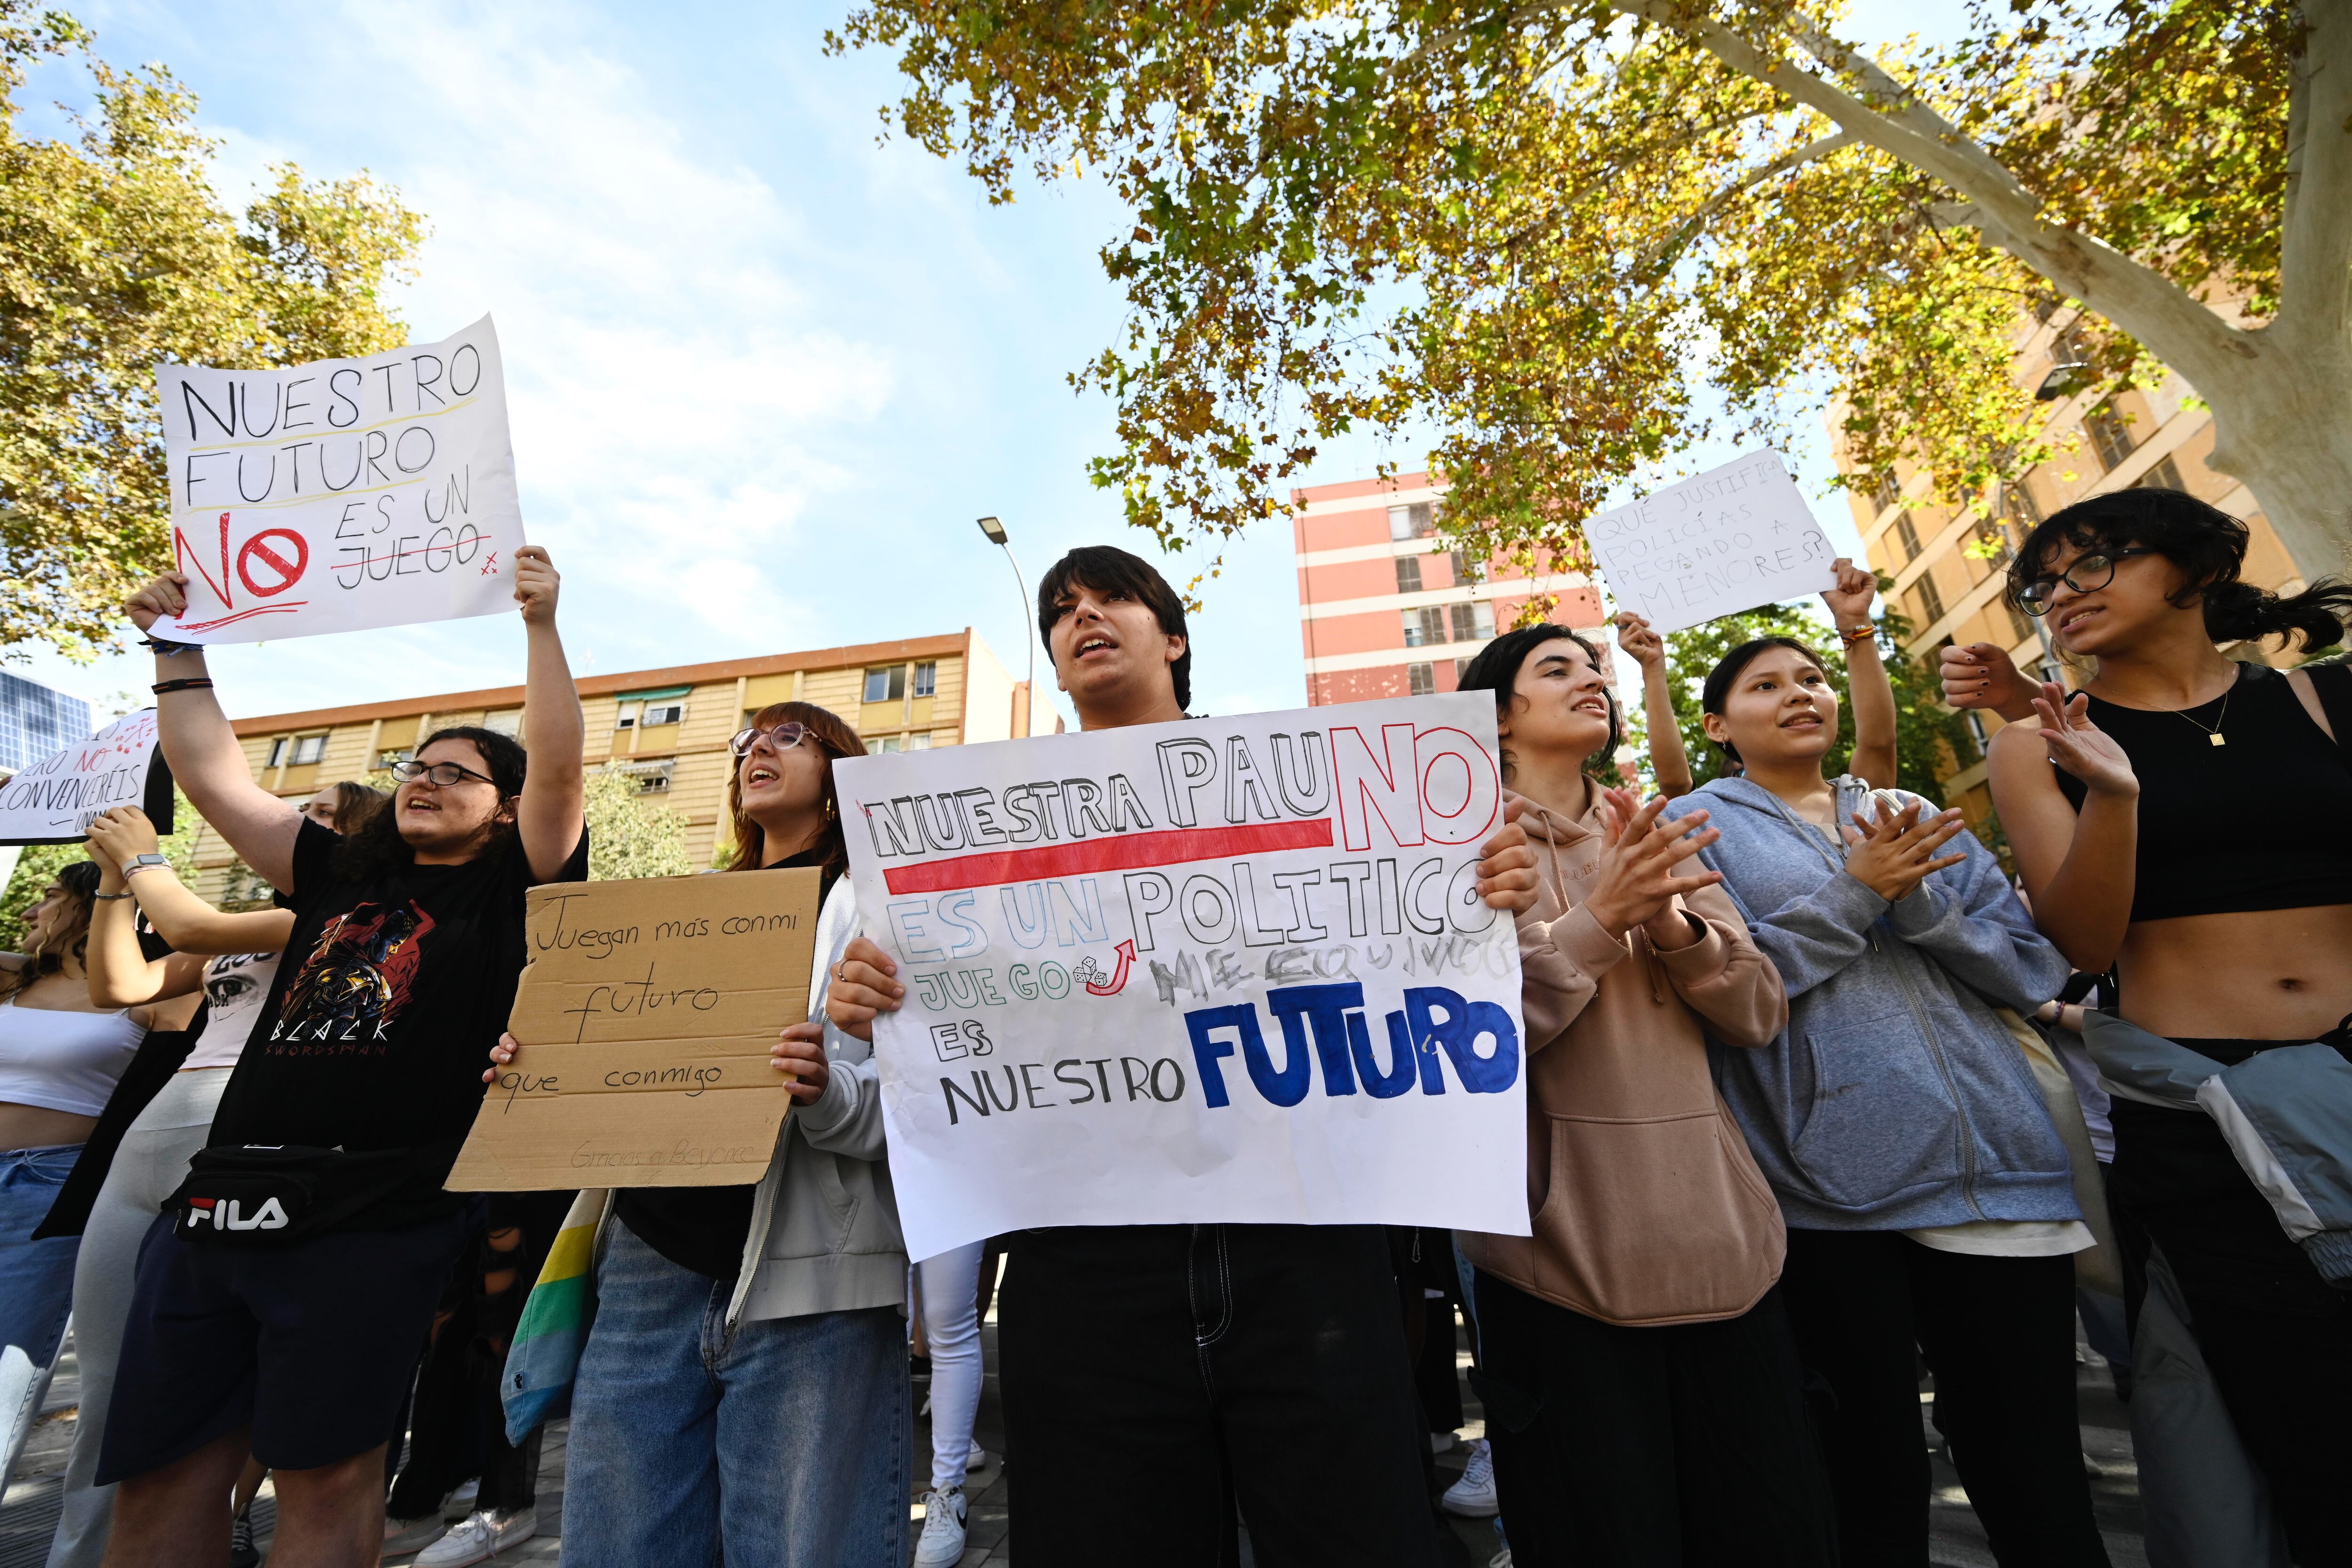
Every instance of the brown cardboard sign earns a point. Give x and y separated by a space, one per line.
644 1017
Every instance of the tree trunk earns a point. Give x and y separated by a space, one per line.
2281 426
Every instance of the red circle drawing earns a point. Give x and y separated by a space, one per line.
288 572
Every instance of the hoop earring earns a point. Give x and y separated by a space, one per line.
830 810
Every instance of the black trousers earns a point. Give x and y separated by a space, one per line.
2276 1336
1674 1447
1998 1334
1209 1368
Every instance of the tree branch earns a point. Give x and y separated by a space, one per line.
2316 248
1666 250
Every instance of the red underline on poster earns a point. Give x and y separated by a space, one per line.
286 609
1172 847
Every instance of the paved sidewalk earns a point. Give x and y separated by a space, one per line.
29 1510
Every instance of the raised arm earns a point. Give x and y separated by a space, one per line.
1669 763
201 749
1868 689
121 973
549 817
179 917
2079 867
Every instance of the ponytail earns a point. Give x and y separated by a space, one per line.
2241 612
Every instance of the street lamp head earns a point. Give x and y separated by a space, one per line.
994 529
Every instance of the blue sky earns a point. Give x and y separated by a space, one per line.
764 373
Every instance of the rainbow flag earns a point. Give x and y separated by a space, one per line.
545 1355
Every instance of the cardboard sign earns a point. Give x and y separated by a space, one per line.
1735 536
1222 970
341 495
55 800
646 1017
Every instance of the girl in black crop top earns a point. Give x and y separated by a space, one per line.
2187 822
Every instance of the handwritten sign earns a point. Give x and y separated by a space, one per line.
1228 968
54 800
646 1017
1733 538
341 495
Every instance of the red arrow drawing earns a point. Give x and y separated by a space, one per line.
1118 976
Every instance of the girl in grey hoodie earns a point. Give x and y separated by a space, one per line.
1928 1199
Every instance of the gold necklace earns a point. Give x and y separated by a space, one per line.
2213 736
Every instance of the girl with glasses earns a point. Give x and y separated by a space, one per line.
743 1396
2180 820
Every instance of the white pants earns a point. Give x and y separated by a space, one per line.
951 1328
151 1163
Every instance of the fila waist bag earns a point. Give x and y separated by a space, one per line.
271 1194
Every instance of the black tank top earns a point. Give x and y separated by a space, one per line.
2263 822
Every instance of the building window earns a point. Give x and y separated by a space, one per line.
887 743
926 679
2017 505
921 742
1977 730
1908 536
278 751
885 685
1930 602
665 714
1473 623
2020 625
655 780
1465 570
309 749
626 716
1461 668
1408 573
2162 474
1420 680
508 723
2110 437
1418 520
1424 626
1886 491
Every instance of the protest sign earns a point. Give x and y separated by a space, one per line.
1733 538
645 1016
341 495
1220 969
54 800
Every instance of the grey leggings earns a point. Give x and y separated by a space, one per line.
151 1163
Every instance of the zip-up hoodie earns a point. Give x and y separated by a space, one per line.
1647 1206
1895 1099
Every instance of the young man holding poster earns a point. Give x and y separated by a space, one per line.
283 1294
1157 1377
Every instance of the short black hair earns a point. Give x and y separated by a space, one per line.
1717 691
1108 569
2207 545
1496 669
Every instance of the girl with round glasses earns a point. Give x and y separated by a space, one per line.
2227 927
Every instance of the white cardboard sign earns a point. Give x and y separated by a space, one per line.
1731 538
1220 969
341 495
54 800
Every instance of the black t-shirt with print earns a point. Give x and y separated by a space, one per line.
390 995
704 1228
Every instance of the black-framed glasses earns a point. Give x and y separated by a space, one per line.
2087 575
783 737
444 775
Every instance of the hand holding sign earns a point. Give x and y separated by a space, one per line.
1733 538
798 1054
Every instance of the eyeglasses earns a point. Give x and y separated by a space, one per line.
2087 575
444 775
783 737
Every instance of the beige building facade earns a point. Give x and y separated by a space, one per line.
1947 564
666 729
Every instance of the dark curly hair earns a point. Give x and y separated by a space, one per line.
2208 545
1728 668
47 956
378 845
1496 669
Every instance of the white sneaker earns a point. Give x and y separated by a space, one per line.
407 1534
943 1543
478 1536
460 1503
1500 1560
1473 1496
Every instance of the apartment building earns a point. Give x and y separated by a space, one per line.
1384 609
667 730
35 720
1948 564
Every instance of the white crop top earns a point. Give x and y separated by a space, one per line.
64 1061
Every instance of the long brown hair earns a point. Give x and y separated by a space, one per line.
46 955
354 804
831 733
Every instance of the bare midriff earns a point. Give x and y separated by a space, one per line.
39 1127
2258 974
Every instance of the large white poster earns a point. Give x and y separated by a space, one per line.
1730 539
54 800
1222 970
341 495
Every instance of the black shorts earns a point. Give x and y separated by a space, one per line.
312 1345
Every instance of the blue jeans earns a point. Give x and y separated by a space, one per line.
782 1445
35 1276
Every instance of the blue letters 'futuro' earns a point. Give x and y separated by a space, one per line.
1326 1025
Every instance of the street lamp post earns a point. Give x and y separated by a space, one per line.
996 536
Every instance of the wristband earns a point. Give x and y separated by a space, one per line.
1858 636
110 897
185 683
171 649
